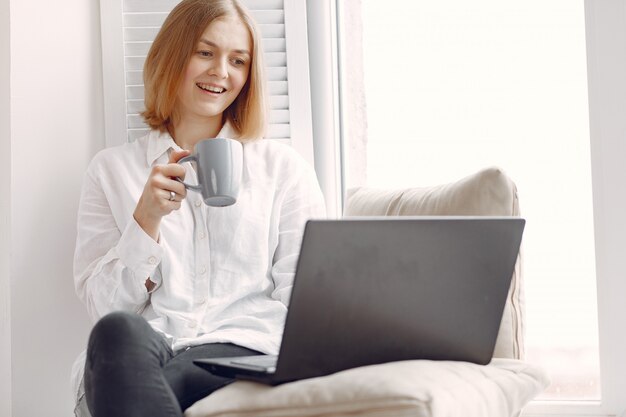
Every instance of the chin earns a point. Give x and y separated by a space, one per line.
210 112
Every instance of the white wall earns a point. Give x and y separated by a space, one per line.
57 125
5 214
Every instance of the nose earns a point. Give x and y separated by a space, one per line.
219 68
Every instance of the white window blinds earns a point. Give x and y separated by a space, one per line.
130 26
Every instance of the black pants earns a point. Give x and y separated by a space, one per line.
131 370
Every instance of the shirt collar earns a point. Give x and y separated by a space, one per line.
161 142
158 144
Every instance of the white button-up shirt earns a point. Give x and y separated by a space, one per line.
223 274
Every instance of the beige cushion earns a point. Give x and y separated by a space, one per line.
410 388
486 193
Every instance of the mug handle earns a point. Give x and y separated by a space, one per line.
188 186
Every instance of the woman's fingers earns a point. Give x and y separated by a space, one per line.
171 195
171 199
176 156
157 199
167 184
170 170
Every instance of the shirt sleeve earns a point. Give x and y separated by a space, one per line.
303 201
110 265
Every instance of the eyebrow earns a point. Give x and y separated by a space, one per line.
239 51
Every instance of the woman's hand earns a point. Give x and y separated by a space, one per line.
155 202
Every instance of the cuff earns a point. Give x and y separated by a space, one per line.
140 253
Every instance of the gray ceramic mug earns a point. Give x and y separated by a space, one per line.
218 164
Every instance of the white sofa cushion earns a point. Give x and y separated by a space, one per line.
489 192
418 388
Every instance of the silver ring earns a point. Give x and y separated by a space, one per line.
172 196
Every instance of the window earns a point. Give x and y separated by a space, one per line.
438 90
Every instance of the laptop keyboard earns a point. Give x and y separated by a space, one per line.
267 362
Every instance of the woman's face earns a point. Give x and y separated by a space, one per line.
217 71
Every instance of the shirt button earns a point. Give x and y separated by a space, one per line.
152 260
198 203
202 235
203 270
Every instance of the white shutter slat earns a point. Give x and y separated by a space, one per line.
166 5
275 131
156 19
274 45
279 102
146 19
264 4
141 48
276 73
280 133
279 116
278 88
149 5
275 59
275 30
135 121
138 34
135 77
286 141
136 48
134 134
264 17
134 92
134 106
133 63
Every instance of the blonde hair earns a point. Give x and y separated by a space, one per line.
172 50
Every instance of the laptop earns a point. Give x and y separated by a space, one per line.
376 290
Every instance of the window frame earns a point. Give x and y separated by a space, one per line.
325 101
605 26
5 211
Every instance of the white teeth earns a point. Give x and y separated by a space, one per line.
211 88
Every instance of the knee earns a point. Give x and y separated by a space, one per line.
116 330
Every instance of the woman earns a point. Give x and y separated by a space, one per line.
167 278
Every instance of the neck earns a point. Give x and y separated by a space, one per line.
190 130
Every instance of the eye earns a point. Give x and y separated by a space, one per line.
238 61
205 53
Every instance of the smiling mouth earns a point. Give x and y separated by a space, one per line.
210 88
